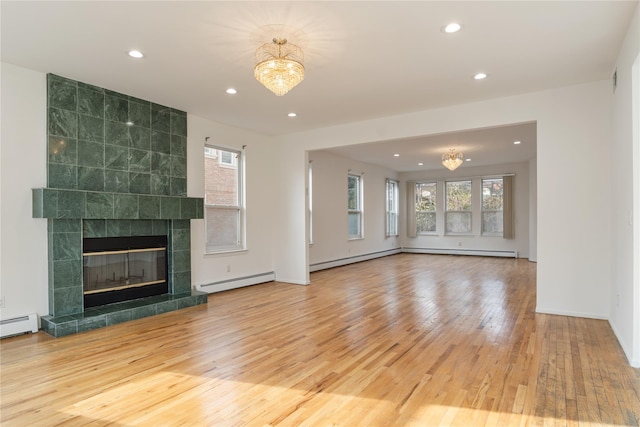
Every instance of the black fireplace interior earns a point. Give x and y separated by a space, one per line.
118 269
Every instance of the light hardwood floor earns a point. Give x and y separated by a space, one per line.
402 340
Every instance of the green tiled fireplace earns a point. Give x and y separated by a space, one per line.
116 167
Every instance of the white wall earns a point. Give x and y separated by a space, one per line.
476 241
23 258
330 236
533 210
624 293
260 202
574 264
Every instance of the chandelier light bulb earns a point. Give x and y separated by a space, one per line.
279 66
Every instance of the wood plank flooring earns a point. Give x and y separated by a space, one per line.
405 340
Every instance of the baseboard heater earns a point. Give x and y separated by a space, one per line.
18 325
476 252
351 260
239 282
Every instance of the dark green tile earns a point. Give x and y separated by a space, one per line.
160 227
99 205
91 154
125 206
90 128
67 273
116 133
160 118
180 240
178 166
118 228
62 176
91 179
66 226
71 204
119 317
178 146
62 150
166 306
149 207
161 163
140 138
169 207
143 311
160 142
66 246
67 301
142 227
200 209
92 323
94 228
140 114
90 102
116 108
44 203
180 224
62 94
181 261
82 85
188 208
139 160
116 181
139 183
160 185
178 123
63 123
181 282
178 187
116 157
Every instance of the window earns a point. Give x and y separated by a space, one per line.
223 200
492 206
354 205
392 208
426 207
458 207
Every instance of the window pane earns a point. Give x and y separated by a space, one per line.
392 208
492 222
353 188
492 205
222 225
426 222
459 196
354 224
458 222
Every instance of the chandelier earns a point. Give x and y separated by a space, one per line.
279 66
452 159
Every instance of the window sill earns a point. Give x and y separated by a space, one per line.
225 252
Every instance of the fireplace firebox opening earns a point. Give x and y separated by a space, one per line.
118 269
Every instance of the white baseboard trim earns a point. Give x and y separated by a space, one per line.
238 282
542 310
476 252
19 325
635 363
351 260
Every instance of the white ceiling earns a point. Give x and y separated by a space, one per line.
364 59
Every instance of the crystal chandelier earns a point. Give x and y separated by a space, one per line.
452 159
279 66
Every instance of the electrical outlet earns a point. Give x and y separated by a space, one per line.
1 302
459 243
228 268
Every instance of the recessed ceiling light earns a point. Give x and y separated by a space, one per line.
135 54
396 155
480 76
420 164
292 114
452 28
467 160
517 142
231 91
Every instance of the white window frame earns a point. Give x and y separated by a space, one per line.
358 210
239 207
483 210
435 212
392 207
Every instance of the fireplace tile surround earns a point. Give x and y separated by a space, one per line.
116 166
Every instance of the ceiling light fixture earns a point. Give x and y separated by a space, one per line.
279 66
452 28
517 142
136 54
480 76
231 91
292 114
452 159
